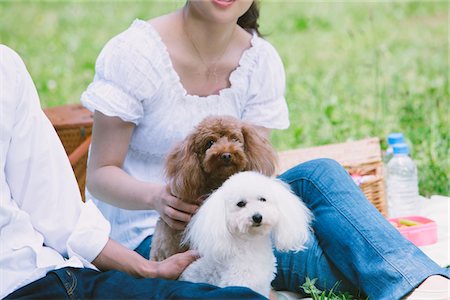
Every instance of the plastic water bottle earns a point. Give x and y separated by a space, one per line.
402 183
392 139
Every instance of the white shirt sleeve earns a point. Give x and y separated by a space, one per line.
266 105
125 75
37 181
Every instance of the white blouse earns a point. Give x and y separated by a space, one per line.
44 225
135 80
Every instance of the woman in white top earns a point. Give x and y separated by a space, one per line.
158 79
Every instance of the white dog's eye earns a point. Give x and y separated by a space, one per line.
262 199
241 203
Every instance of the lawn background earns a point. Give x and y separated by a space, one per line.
354 69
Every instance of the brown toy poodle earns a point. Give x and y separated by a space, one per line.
219 147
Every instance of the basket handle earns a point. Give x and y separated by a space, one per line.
80 151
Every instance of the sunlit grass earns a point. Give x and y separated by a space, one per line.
354 69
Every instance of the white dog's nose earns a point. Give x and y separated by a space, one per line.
257 218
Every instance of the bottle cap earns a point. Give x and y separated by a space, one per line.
395 138
400 148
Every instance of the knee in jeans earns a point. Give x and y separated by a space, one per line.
315 169
323 164
318 167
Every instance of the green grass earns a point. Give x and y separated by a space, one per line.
315 293
354 69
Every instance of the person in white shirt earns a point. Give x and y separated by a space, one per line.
52 245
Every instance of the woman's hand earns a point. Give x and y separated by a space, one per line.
175 212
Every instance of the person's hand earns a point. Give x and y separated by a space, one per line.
172 267
175 212
115 256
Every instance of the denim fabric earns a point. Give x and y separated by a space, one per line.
74 283
352 242
144 248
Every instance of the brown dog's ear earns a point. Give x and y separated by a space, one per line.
184 171
261 156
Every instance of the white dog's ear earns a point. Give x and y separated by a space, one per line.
292 230
207 231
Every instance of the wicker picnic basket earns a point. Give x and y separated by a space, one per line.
362 158
73 123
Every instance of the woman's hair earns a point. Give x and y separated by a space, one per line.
249 20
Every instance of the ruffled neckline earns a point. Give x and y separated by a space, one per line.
237 75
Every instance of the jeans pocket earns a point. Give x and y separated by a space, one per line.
68 280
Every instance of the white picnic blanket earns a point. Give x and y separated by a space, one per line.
437 208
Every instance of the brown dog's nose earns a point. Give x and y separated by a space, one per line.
226 157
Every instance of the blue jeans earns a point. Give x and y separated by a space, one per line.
76 283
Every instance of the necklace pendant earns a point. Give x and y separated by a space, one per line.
209 73
212 73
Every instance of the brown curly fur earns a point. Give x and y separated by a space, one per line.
219 147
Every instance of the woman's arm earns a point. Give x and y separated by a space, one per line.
105 178
107 181
116 257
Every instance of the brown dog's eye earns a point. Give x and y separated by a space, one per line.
241 203
262 199
209 144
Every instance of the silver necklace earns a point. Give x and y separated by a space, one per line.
210 68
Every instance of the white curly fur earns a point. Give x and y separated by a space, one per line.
234 229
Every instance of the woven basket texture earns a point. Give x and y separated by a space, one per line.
73 123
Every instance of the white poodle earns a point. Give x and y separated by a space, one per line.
234 229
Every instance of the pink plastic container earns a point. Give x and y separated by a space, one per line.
422 234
